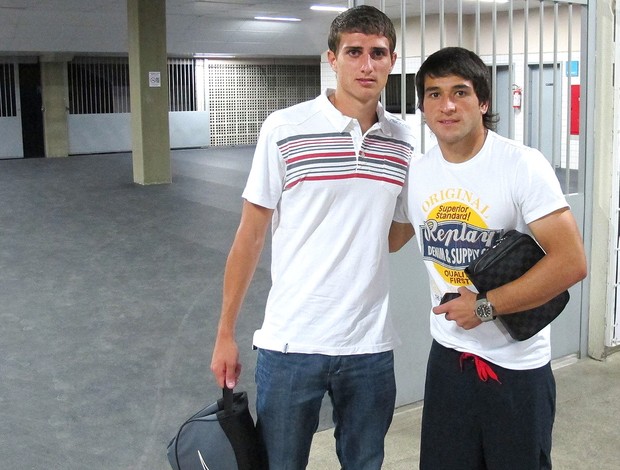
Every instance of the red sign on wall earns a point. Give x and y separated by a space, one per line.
574 109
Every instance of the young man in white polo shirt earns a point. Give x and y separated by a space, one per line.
326 175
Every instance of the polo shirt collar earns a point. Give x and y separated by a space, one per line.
342 122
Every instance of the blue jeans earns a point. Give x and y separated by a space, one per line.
290 389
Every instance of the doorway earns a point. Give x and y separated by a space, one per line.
545 114
31 110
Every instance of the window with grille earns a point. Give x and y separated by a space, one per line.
182 84
241 96
393 102
101 85
8 104
98 86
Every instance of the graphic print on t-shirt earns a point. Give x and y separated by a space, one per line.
455 233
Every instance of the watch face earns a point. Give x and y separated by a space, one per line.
484 311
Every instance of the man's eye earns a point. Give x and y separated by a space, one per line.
378 54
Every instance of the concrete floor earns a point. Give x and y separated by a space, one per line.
109 299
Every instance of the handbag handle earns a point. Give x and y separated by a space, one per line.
227 395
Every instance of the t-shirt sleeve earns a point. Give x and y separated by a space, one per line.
539 191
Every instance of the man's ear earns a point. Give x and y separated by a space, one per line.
331 58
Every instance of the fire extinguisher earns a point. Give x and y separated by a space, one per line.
516 97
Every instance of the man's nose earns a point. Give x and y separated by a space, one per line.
447 104
367 62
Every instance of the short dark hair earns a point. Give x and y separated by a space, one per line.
464 63
363 19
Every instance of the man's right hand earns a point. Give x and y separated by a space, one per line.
225 363
240 266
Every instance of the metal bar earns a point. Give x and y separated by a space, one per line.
526 73
494 59
555 102
120 87
402 39
84 86
192 100
127 87
107 68
119 92
79 79
460 22
541 32
170 71
422 57
477 27
511 77
177 72
98 98
3 93
569 103
403 70
76 78
185 89
182 90
442 24
180 74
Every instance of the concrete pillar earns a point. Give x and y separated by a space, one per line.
146 21
55 101
602 132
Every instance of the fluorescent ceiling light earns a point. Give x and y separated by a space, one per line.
275 18
328 8
213 55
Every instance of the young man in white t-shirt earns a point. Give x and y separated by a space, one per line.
326 175
489 400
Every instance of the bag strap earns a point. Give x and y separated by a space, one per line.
227 395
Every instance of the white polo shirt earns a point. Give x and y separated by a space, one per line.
334 193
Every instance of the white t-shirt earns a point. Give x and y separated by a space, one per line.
334 193
458 210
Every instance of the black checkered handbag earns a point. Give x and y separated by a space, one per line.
508 259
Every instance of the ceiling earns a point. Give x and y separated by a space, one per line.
34 27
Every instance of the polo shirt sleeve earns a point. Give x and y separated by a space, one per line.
401 214
266 179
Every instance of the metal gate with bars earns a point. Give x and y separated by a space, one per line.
537 55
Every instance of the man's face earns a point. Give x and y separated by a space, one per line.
452 109
362 65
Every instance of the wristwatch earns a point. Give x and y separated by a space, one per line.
484 309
